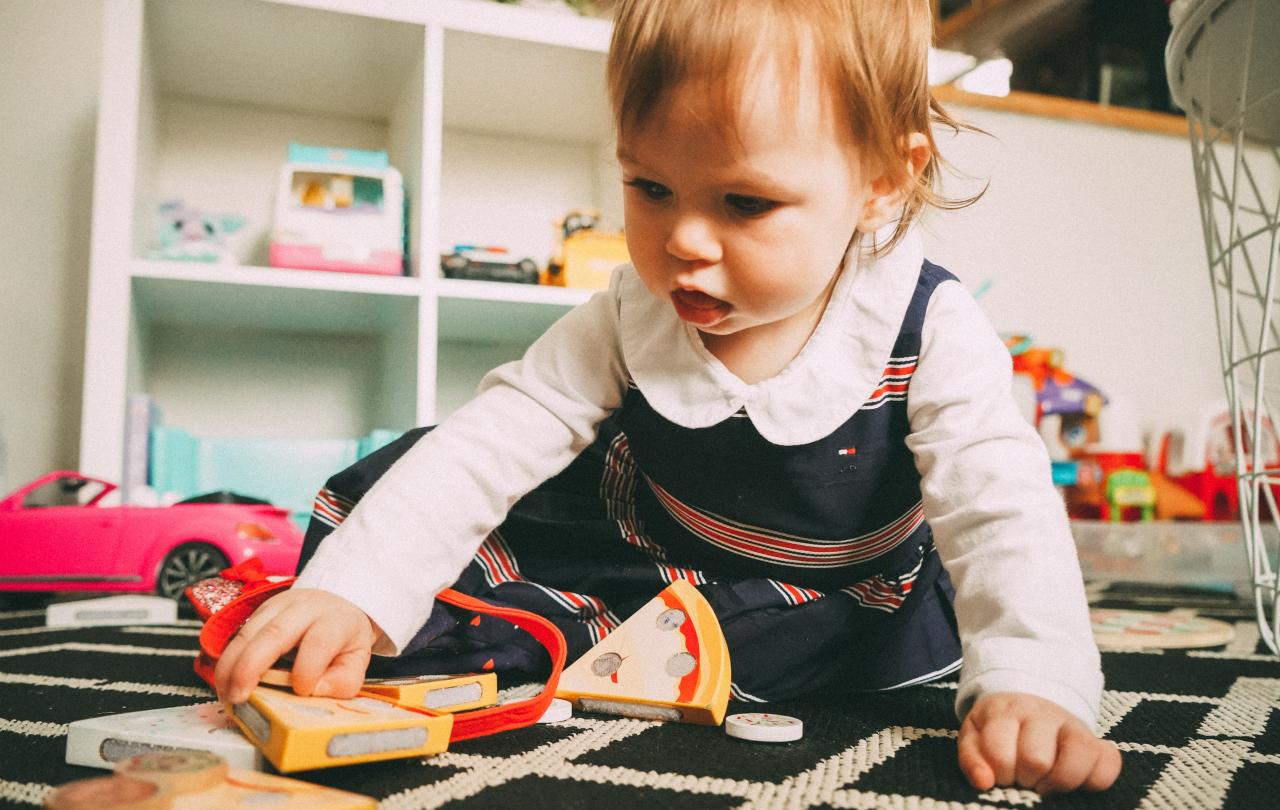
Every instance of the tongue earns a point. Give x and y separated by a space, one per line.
697 300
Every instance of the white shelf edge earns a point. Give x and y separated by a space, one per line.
276 277
527 24
510 292
512 22
410 11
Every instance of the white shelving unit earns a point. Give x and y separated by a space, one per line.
496 117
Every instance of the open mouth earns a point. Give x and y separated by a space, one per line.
698 308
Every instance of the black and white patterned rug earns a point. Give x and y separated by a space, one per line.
1197 730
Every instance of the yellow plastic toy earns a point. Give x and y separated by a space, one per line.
669 661
298 733
585 257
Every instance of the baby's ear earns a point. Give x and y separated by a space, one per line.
884 199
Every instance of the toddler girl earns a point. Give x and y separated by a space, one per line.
780 401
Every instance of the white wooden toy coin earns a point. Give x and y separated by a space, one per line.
764 727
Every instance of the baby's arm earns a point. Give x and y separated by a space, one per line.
419 525
1031 679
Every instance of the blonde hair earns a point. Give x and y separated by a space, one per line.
872 55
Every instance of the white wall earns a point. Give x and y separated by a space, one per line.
49 54
1091 238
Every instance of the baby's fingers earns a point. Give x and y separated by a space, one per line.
988 750
329 662
345 675
1083 762
972 763
1106 769
252 653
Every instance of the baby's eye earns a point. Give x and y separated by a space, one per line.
654 191
748 206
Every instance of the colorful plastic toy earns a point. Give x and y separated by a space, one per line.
1199 456
1128 487
188 234
58 533
339 209
585 257
1058 392
488 263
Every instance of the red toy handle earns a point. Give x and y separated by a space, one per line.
219 629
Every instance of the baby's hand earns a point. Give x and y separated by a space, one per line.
334 639
1014 738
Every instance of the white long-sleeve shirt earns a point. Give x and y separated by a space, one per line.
998 524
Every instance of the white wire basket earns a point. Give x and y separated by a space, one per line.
1223 61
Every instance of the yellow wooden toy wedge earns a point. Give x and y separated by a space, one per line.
196 780
669 661
441 693
299 733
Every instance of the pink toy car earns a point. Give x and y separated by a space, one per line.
55 535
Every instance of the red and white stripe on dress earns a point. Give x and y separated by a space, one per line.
883 594
788 549
894 382
618 490
331 508
499 566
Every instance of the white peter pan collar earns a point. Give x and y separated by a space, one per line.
831 378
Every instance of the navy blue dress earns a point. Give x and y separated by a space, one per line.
816 557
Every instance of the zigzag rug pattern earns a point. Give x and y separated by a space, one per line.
1197 730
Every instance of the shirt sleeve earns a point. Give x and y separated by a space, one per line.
419 525
999 525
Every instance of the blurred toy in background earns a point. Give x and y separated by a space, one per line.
488 263
191 235
1064 408
339 209
1058 392
1096 446
1199 456
585 257
1128 487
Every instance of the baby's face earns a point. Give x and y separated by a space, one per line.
741 230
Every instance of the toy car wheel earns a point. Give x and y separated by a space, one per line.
186 565
528 267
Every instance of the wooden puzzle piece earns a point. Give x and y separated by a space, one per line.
196 780
299 733
442 693
1175 629
668 661
112 610
101 742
